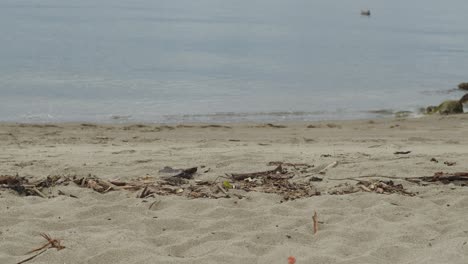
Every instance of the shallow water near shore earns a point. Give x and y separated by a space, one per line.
216 61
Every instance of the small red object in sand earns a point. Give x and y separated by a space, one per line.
291 260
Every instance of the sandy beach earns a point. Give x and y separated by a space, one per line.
359 227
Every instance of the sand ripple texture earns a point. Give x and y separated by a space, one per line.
117 227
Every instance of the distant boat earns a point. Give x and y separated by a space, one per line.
365 12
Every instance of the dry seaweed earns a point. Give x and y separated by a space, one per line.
51 243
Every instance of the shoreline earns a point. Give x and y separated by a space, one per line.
118 122
357 227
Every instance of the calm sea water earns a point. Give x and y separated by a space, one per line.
221 60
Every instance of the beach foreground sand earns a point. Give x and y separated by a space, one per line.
117 227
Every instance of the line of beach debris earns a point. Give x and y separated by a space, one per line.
281 180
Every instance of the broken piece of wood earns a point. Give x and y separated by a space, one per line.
277 163
402 152
315 218
243 176
223 190
65 194
445 178
39 193
450 163
9 180
331 165
187 173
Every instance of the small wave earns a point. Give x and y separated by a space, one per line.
381 112
440 92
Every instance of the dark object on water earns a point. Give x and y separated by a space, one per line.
463 86
365 12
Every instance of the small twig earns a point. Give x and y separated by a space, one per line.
39 192
402 152
315 218
62 193
51 243
143 193
242 176
373 176
32 257
364 188
223 190
157 202
331 165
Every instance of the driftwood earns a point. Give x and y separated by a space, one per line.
331 165
182 177
278 163
402 152
65 194
187 173
252 175
450 163
460 178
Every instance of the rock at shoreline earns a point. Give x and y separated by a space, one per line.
402 114
464 99
446 108
463 86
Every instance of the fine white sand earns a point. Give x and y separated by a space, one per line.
117 227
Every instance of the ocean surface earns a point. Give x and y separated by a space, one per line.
172 61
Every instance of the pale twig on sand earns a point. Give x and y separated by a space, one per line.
331 165
315 218
223 190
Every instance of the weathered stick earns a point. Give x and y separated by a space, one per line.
62 193
315 218
223 190
35 190
243 176
32 257
187 173
331 165
402 152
